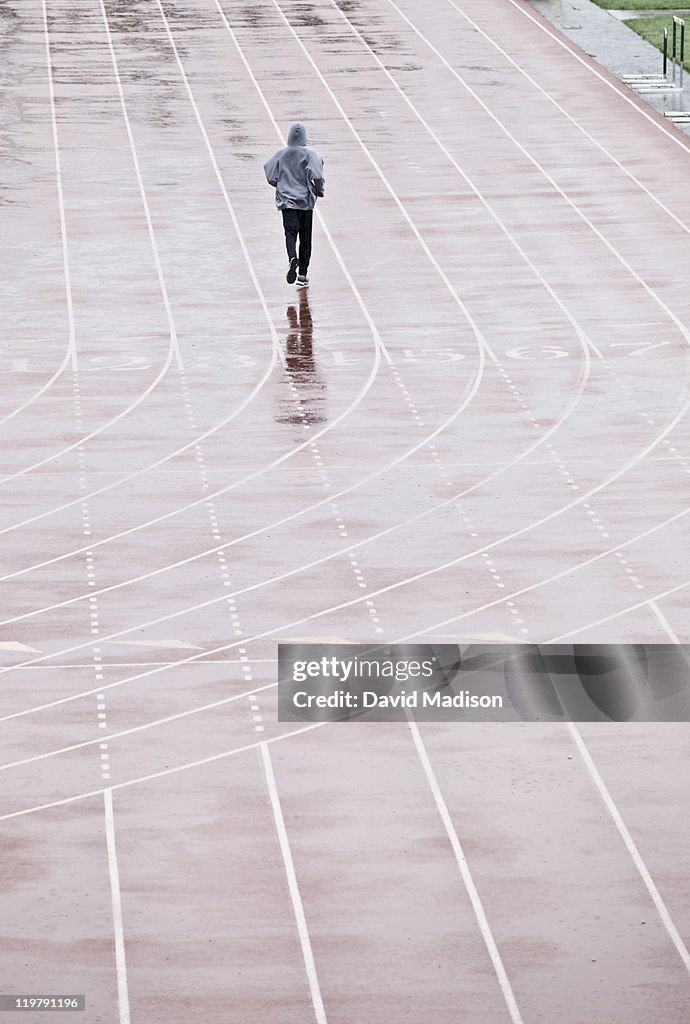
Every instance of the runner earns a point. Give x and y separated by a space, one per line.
296 173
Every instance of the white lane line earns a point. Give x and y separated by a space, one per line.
664 621
221 183
541 24
574 121
67 359
71 344
142 192
478 333
293 887
69 666
70 355
547 177
160 774
466 875
632 849
116 902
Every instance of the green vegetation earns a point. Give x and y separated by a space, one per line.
644 5
652 29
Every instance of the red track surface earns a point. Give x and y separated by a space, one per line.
473 425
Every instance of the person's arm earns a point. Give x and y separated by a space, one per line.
271 171
317 182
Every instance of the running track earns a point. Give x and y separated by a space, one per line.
473 425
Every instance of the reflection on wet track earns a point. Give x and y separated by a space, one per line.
306 402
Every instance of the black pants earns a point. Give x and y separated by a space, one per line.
298 223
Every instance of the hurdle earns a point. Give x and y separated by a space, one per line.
677 50
665 82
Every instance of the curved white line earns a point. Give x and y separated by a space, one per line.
71 343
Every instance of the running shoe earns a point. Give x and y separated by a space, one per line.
292 270
302 281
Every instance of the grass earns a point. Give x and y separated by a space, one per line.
652 29
644 5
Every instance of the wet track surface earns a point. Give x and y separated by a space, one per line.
472 425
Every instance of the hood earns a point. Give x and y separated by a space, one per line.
297 136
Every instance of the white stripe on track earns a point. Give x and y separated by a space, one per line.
116 903
142 192
70 356
466 875
221 182
293 886
622 828
632 849
71 344
66 361
664 622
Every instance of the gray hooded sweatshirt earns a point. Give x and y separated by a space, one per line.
296 172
